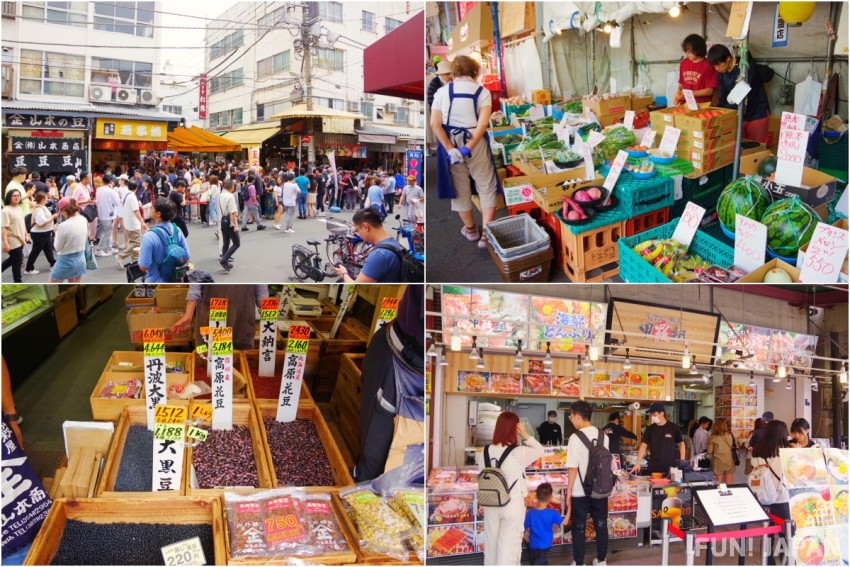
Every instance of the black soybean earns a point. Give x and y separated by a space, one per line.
135 474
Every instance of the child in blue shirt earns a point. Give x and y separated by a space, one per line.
538 525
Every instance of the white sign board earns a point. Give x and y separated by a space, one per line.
294 363
648 138
750 243
518 194
825 255
221 350
732 506
688 224
740 92
791 153
186 552
670 140
268 335
594 138
629 119
690 99
154 363
587 154
616 169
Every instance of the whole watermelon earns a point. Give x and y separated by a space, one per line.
767 166
743 196
790 224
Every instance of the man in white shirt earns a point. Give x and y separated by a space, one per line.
133 224
121 190
581 504
107 208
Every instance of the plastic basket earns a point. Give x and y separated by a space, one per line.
642 196
600 219
786 259
533 267
516 235
338 227
634 269
678 166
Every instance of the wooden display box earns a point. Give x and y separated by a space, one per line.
251 359
328 308
133 301
131 415
66 315
126 511
141 318
338 558
590 250
342 477
364 557
199 362
243 414
346 399
350 337
550 198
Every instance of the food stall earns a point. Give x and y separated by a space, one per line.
532 349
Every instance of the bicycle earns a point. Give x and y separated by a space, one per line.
307 264
414 233
345 248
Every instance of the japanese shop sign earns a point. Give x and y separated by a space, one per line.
113 129
68 162
221 351
268 335
202 96
154 361
46 145
298 341
30 120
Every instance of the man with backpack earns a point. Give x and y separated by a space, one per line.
589 462
164 255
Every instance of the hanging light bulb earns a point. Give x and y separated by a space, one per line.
675 11
432 351
842 377
781 371
455 343
592 368
473 354
627 364
517 365
547 360
694 369
518 358
480 358
579 367
608 28
788 384
814 384
686 358
443 360
593 351
752 384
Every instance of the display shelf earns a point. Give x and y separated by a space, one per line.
22 305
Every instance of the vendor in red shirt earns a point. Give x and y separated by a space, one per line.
695 73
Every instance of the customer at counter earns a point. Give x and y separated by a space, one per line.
661 438
766 417
720 446
774 436
615 433
800 434
550 431
699 440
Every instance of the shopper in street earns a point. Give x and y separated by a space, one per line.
443 77
82 195
580 503
154 248
375 196
800 434
14 231
549 431
290 193
662 438
460 117
349 190
107 204
70 244
204 203
539 521
321 184
699 438
503 527
389 191
252 206
215 196
134 226
311 196
178 197
766 453
695 72
616 433
229 224
303 186
41 234
720 446
381 265
411 200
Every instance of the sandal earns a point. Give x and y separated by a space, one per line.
470 234
483 242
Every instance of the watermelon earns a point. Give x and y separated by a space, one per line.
790 224
743 196
767 166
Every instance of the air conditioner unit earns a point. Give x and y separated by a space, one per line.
147 97
100 93
125 96
353 106
390 107
9 10
369 97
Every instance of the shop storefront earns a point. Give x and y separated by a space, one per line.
624 349
50 143
116 141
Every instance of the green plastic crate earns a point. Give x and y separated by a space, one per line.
600 219
634 269
832 153
678 166
639 196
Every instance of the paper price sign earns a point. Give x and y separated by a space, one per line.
587 154
168 432
791 152
197 433
591 117
201 411
201 349
791 121
616 169
688 224
187 552
154 349
690 99
741 90
670 140
389 308
750 243
153 335
297 345
562 132
629 119
170 414
222 341
269 309
825 256
518 195
594 138
536 112
205 331
648 138
218 309
299 332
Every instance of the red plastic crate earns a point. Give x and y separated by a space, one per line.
532 209
552 225
647 220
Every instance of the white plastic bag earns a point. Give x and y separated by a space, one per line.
807 96
642 88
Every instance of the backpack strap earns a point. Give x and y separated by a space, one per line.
587 443
501 460
400 254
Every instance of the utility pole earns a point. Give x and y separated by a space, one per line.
307 42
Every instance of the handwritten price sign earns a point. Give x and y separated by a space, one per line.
222 341
268 308
218 309
690 99
587 154
201 411
750 243
298 339
648 139
670 140
168 432
197 433
170 414
389 310
629 119
616 169
825 256
594 138
791 152
688 224
154 342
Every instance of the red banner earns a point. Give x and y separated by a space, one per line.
202 97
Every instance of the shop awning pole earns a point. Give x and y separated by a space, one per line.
494 13
834 13
632 55
593 58
742 76
837 415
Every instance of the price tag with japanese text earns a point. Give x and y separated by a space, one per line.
594 138
670 140
616 169
222 377
201 349
218 309
186 552
518 194
562 133
347 298
791 152
750 243
587 153
389 310
268 335
590 116
648 138
154 367
294 362
688 224
825 255
197 433
201 411
170 414
169 431
168 450
629 119
690 99
613 85
287 292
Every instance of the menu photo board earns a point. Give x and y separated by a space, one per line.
628 385
481 382
767 347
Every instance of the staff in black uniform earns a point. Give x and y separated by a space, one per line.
549 431
615 433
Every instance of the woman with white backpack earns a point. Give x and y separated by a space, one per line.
767 470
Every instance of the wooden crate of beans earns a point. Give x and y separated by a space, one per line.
267 388
200 375
350 337
364 556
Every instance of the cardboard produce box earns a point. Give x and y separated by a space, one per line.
817 188
704 141
549 198
773 122
728 119
611 105
640 103
658 119
171 296
609 119
542 96
141 318
705 162
757 275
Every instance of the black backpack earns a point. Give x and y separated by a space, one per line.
412 268
599 479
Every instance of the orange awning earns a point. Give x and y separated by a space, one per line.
194 139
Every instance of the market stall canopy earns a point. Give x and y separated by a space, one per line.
252 135
194 139
389 64
333 121
386 134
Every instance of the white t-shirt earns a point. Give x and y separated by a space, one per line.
463 111
290 194
72 234
227 204
578 456
515 465
107 202
130 207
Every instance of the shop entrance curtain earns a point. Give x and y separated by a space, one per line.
523 72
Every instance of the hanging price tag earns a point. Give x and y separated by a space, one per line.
201 349
197 433
825 255
297 344
187 552
690 99
201 411
648 138
154 365
594 138
750 243
629 119
688 224
389 310
562 133
670 140
616 169
222 377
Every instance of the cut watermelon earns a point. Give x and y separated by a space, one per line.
743 196
790 224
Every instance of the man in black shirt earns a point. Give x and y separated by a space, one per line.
661 438
615 432
549 431
766 418
40 186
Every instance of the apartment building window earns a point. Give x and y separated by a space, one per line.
226 118
331 59
62 13
172 109
226 81
131 18
331 11
367 21
120 72
401 116
271 19
226 45
367 109
391 24
48 73
269 110
277 63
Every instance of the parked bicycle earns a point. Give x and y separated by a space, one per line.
414 233
345 247
307 264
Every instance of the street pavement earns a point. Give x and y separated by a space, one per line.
264 257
